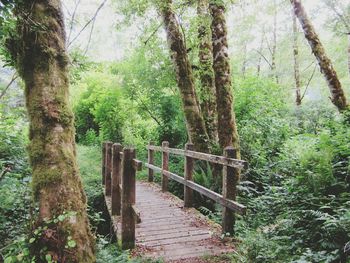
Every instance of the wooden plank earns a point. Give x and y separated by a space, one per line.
150 161
230 177
116 179
137 164
187 239
108 169
165 167
241 209
103 163
163 236
241 164
128 199
189 166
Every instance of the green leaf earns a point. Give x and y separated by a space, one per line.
72 243
31 240
48 258
61 218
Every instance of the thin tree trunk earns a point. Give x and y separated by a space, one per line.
274 46
296 62
228 135
185 79
206 72
337 93
244 64
258 69
42 63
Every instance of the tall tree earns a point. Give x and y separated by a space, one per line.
228 135
296 62
337 93
206 72
41 60
184 76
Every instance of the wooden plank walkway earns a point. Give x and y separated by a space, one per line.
168 230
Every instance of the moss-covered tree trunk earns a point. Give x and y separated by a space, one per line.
227 128
41 58
296 62
337 93
206 72
185 79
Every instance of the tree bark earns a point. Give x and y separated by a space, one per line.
337 93
274 46
296 62
206 72
185 79
227 128
40 54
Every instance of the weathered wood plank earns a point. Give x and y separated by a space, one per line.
241 164
128 199
108 169
165 167
241 209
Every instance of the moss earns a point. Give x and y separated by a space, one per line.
43 177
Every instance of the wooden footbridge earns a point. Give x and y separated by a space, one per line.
154 223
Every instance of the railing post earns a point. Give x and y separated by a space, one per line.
189 165
116 178
103 163
165 167
150 161
128 199
229 182
108 179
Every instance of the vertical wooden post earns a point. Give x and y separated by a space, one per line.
165 167
150 161
128 199
103 163
229 182
108 181
189 165
116 178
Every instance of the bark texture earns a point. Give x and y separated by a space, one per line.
41 59
206 72
185 80
337 93
296 62
227 128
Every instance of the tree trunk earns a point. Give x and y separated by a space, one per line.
296 62
228 135
42 61
274 46
206 72
185 79
337 94
258 68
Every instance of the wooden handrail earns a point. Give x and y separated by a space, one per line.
240 164
239 208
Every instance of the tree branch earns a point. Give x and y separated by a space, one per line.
14 77
308 83
88 23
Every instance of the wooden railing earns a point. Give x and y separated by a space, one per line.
119 168
230 176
